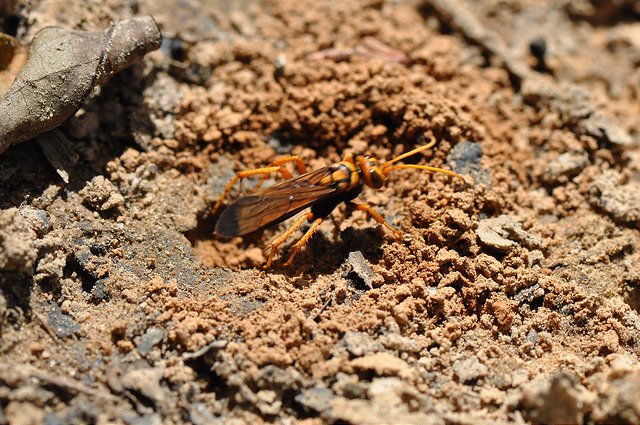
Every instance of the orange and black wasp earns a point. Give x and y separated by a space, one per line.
321 191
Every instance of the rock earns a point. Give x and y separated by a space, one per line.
504 234
357 269
382 364
317 399
354 390
563 168
274 376
99 291
465 158
397 342
559 399
387 391
601 127
576 109
36 219
390 401
151 338
624 35
62 324
17 250
529 294
207 349
358 343
469 370
368 412
608 194
101 195
145 381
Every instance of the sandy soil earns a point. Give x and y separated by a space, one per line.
516 299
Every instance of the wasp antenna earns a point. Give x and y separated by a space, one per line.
410 153
427 168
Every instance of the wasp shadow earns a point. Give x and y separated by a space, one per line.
324 255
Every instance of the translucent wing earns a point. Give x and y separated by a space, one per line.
274 204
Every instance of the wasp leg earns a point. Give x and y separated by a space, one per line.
241 175
375 215
302 169
303 241
283 237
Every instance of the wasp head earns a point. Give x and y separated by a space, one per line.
372 173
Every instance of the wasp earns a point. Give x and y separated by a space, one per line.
321 190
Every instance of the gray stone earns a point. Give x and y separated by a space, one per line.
317 399
151 338
564 167
357 268
99 291
504 233
465 158
62 324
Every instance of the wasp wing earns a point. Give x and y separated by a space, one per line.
274 204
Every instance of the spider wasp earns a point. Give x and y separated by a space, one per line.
321 190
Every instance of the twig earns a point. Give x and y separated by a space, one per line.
204 350
67 383
324 307
369 48
44 323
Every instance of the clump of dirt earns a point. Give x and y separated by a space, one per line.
515 298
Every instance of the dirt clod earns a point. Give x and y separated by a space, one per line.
17 249
559 399
101 195
469 370
618 200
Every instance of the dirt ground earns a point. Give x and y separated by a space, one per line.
515 299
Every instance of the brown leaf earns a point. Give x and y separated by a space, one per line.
62 69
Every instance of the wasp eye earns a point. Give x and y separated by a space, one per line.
377 178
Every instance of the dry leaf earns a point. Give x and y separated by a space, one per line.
62 68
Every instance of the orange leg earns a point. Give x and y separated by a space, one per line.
242 175
376 216
275 166
302 169
303 241
283 237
